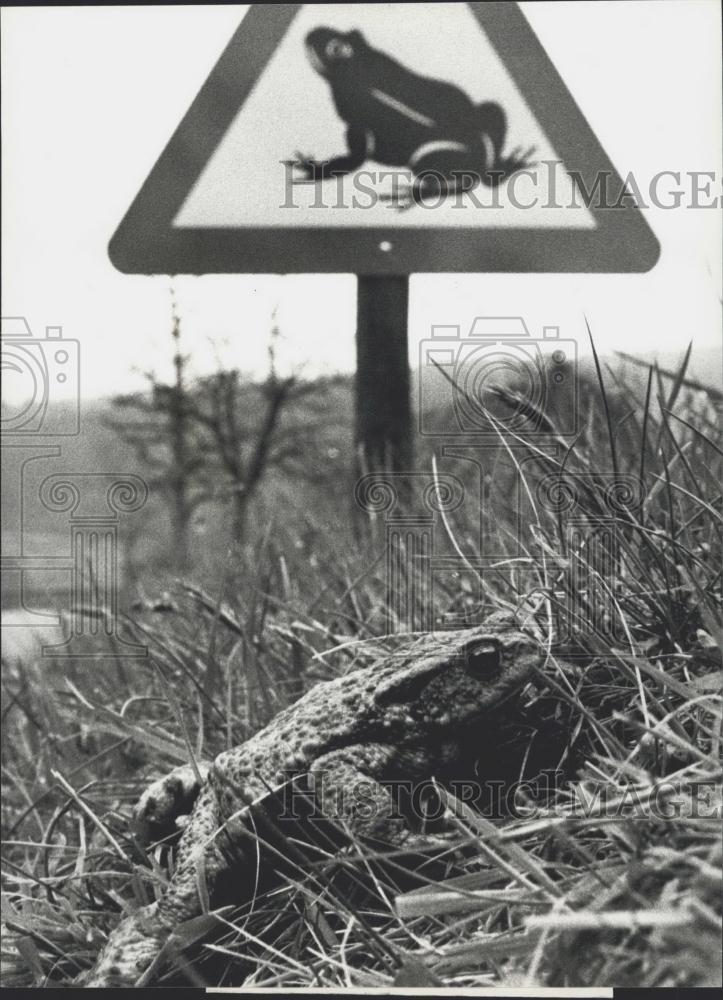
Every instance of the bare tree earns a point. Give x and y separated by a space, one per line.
243 423
163 437
184 463
213 438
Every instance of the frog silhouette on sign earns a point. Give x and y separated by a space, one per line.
398 118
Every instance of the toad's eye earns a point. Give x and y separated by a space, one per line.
336 49
484 661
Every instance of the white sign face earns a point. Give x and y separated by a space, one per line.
291 110
383 139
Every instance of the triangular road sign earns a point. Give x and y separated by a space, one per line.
433 137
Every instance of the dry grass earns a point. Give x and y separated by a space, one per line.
608 874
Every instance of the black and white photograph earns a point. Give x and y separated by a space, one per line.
362 505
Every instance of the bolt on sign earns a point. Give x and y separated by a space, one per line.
383 139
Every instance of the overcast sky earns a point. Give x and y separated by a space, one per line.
91 96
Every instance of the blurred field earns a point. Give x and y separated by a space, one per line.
609 875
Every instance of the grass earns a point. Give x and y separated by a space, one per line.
603 867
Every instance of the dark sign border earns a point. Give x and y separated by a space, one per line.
146 242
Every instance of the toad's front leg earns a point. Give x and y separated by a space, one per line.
165 807
136 942
321 170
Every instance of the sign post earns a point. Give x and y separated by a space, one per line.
382 406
